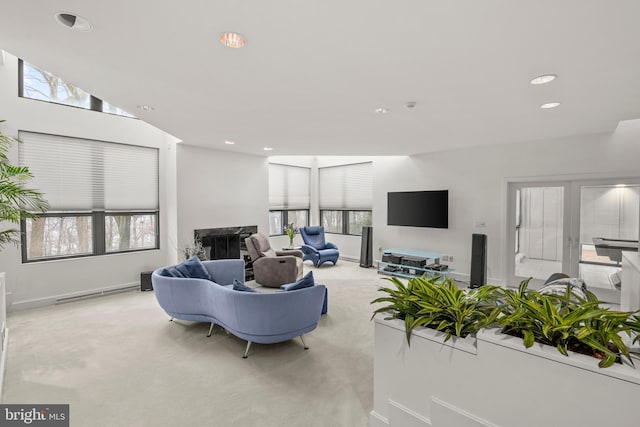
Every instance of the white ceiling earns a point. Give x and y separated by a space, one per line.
313 71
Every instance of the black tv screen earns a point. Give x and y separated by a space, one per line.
418 208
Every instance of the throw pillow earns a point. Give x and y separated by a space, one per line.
305 282
171 272
237 286
193 268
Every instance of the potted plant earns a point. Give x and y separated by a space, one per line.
17 202
568 322
290 231
439 304
498 380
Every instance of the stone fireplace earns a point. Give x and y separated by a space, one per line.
227 243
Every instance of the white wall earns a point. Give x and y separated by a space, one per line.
41 283
476 179
220 189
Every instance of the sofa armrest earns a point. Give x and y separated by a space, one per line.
330 246
307 249
275 271
295 253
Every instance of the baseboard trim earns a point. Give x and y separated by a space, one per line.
74 296
377 420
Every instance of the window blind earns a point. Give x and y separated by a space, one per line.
289 187
346 187
78 174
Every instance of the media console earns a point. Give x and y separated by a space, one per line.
410 263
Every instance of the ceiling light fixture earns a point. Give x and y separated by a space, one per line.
550 105
382 110
268 148
233 40
545 78
145 107
73 22
229 142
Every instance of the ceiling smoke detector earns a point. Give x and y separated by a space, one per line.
410 104
73 22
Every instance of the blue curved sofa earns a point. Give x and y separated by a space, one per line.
263 318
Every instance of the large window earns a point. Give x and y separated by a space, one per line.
289 198
345 198
36 83
103 197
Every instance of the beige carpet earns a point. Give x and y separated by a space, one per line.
118 361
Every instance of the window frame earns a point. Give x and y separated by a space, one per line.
98 233
285 219
95 103
345 220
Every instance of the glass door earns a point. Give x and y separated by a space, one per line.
539 243
579 228
609 218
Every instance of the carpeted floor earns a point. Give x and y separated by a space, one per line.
118 361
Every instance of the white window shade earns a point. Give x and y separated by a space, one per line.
346 187
81 175
288 187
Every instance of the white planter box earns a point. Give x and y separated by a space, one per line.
492 380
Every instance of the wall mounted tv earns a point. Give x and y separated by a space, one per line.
418 208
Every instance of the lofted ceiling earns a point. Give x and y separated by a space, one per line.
313 71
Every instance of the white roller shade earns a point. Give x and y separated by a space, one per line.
346 187
289 187
81 174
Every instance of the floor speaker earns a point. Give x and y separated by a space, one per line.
478 276
366 248
145 281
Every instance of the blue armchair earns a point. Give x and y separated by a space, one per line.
315 247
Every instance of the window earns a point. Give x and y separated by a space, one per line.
103 197
36 83
289 199
345 198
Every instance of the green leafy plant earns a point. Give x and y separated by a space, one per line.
290 230
439 304
567 322
16 201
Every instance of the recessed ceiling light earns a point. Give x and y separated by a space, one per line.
382 110
268 148
549 105
233 40
145 107
74 22
545 78
229 142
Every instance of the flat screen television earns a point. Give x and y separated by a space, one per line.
418 208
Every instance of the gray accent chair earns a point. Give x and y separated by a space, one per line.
273 268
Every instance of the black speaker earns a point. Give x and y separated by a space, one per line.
145 281
478 276
366 248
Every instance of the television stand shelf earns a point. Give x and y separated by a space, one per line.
431 265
